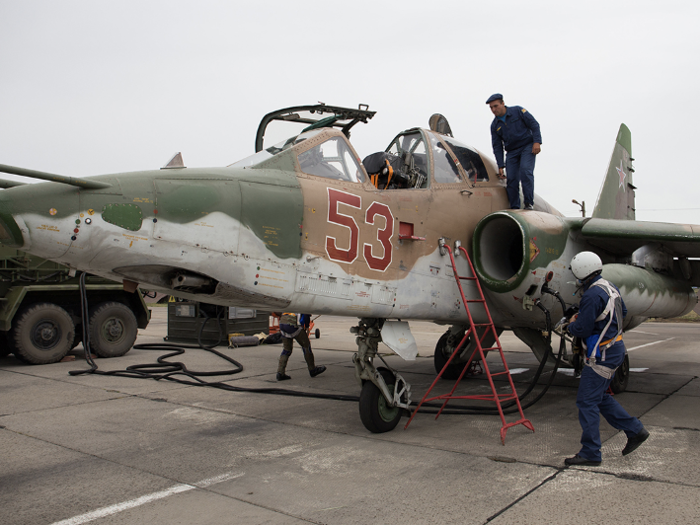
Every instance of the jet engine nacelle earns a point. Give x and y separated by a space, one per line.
509 246
650 294
514 250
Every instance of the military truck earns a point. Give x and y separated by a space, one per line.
40 313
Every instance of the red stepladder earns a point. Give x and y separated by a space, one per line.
488 327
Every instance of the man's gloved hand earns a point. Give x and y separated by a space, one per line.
563 323
571 310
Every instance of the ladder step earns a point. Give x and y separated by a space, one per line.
476 300
500 373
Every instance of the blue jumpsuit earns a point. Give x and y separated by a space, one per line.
517 134
593 398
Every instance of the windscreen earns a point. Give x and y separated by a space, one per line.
331 159
265 154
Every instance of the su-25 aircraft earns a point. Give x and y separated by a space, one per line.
301 226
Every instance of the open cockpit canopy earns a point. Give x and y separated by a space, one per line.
290 122
318 135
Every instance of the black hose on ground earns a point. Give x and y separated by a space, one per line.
168 370
85 320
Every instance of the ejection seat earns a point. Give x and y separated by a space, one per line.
388 171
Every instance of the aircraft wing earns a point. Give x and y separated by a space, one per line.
623 237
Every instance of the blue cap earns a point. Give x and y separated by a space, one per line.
495 96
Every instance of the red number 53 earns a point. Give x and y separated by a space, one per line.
384 235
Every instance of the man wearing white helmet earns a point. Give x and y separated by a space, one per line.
599 325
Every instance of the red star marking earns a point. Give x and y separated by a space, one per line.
622 175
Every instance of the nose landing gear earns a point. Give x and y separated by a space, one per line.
385 394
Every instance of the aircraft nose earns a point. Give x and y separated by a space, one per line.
10 234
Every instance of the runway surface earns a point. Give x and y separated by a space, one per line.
112 450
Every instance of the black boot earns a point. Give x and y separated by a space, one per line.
635 441
282 366
317 370
581 461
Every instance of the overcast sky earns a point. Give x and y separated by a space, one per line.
93 87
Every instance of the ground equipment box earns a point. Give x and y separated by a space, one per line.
185 321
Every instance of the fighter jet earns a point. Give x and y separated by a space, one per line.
305 225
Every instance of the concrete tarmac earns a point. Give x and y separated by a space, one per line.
115 450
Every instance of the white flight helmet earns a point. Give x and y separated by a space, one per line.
585 264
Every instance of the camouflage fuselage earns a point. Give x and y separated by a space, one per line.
272 236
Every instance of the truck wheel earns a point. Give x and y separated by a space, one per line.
113 329
43 334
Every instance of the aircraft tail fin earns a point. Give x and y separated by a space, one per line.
616 197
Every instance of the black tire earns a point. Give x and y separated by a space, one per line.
317 333
622 377
113 329
376 416
42 334
439 360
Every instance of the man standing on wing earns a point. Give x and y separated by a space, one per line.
516 130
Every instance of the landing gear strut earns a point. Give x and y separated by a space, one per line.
384 393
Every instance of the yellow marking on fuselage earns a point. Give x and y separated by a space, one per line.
357 307
274 279
133 238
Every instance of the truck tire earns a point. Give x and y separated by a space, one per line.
113 329
43 334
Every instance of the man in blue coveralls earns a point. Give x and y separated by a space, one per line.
516 130
599 325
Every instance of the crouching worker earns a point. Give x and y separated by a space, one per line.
292 329
599 325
